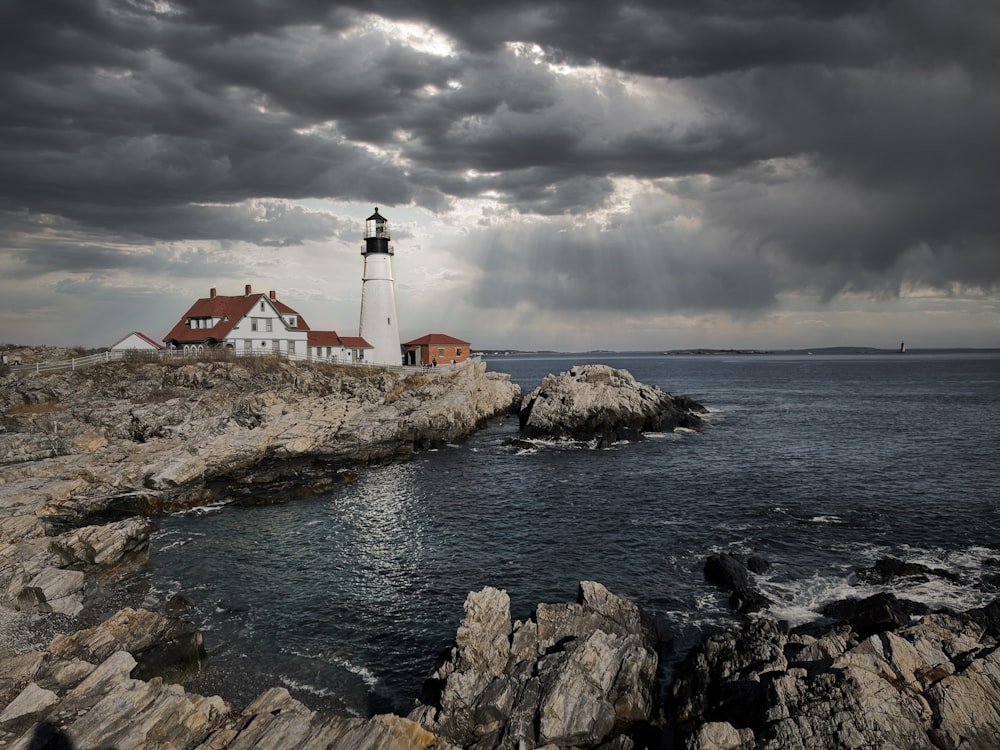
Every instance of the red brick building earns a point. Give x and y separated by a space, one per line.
435 348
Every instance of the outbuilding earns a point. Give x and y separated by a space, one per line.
435 349
136 341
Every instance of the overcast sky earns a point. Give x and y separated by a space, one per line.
558 175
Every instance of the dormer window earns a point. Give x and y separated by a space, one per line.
291 320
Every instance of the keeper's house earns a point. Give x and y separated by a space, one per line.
435 348
257 323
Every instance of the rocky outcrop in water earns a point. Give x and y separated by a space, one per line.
597 402
731 574
574 675
932 683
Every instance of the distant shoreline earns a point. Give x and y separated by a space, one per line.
705 351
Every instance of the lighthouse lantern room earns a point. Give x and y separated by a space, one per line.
378 296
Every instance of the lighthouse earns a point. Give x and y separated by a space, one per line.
378 295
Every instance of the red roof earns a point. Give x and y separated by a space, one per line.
330 338
323 338
230 311
432 339
355 342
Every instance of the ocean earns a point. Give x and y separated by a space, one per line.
819 463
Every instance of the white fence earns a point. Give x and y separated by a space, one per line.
138 355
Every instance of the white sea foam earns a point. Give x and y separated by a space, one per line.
826 519
176 543
305 686
201 510
799 600
663 435
366 675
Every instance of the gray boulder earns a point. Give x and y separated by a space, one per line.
597 402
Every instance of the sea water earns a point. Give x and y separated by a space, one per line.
820 464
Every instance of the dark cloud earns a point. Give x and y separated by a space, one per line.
796 146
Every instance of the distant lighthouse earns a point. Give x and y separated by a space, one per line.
378 296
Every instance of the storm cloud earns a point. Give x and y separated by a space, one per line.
702 158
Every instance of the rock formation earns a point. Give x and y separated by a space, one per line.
133 438
932 683
597 402
726 572
87 691
575 675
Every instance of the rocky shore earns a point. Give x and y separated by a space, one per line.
87 456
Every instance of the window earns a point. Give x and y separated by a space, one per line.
440 351
291 347
291 320
267 324
247 344
262 307
253 324
458 351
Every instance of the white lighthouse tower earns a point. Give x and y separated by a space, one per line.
378 295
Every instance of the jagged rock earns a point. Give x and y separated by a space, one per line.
107 549
888 569
599 402
48 574
931 684
726 572
576 674
106 706
160 645
53 590
31 701
873 614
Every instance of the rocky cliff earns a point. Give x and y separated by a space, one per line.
141 437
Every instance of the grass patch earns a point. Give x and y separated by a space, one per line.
46 407
409 383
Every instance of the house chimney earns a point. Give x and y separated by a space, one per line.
211 292
247 290
272 294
